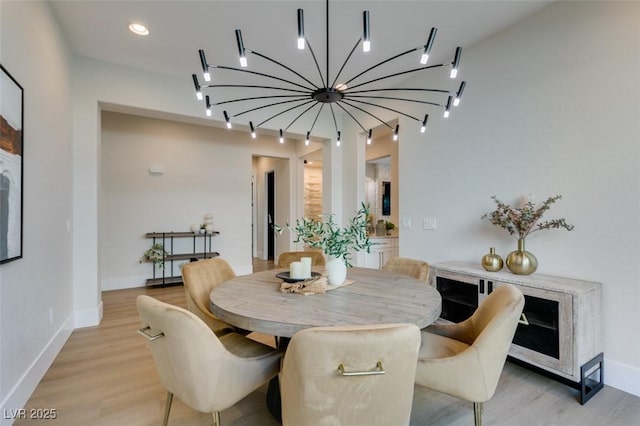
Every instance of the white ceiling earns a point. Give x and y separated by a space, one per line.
98 30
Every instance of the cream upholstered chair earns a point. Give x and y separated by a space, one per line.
200 277
466 359
333 375
411 267
285 259
207 373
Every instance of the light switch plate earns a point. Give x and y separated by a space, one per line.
406 222
429 223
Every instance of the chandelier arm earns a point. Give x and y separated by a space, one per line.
391 98
352 117
316 119
224 67
345 61
253 98
283 66
285 111
266 106
300 115
367 112
399 89
382 63
313 55
213 86
383 107
400 73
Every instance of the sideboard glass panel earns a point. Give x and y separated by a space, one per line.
542 332
459 299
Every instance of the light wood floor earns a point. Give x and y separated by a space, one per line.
105 375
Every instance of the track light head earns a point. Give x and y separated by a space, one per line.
427 47
456 62
423 128
458 97
241 50
366 36
301 40
205 67
208 106
447 109
197 85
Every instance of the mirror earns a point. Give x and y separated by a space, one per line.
386 198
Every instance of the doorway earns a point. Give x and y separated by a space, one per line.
270 180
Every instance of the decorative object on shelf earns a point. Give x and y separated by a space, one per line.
156 254
309 94
195 228
520 261
491 261
336 243
524 221
381 229
390 226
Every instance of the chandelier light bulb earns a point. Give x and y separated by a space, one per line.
423 128
208 107
205 67
226 119
456 63
447 108
369 137
424 58
366 38
241 50
300 29
395 133
281 136
253 130
306 140
458 97
427 47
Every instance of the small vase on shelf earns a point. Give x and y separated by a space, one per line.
520 261
491 261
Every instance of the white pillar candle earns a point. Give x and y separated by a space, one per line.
306 267
295 270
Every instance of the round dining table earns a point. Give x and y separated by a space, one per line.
254 302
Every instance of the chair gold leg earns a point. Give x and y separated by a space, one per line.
478 407
216 418
167 408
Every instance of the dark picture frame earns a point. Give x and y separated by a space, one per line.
11 166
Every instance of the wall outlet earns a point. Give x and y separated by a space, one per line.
429 223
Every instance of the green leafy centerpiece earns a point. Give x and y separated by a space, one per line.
336 243
524 221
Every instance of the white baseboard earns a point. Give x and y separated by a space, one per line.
18 397
121 283
621 376
88 317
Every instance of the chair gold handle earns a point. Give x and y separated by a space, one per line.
143 332
377 372
523 319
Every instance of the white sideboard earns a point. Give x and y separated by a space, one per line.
560 331
382 249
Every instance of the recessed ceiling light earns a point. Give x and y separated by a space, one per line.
139 29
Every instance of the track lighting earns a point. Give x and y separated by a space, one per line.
198 89
300 29
423 128
427 47
241 51
358 95
458 97
205 67
455 63
447 108
366 39
226 119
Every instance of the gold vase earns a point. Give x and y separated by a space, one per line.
520 261
491 261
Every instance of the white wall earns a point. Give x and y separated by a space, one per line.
32 49
552 106
206 170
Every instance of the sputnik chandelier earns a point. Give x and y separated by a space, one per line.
300 95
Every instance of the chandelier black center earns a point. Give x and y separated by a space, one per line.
327 95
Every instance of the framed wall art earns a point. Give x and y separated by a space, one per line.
11 166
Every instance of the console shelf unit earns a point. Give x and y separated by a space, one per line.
202 249
560 330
